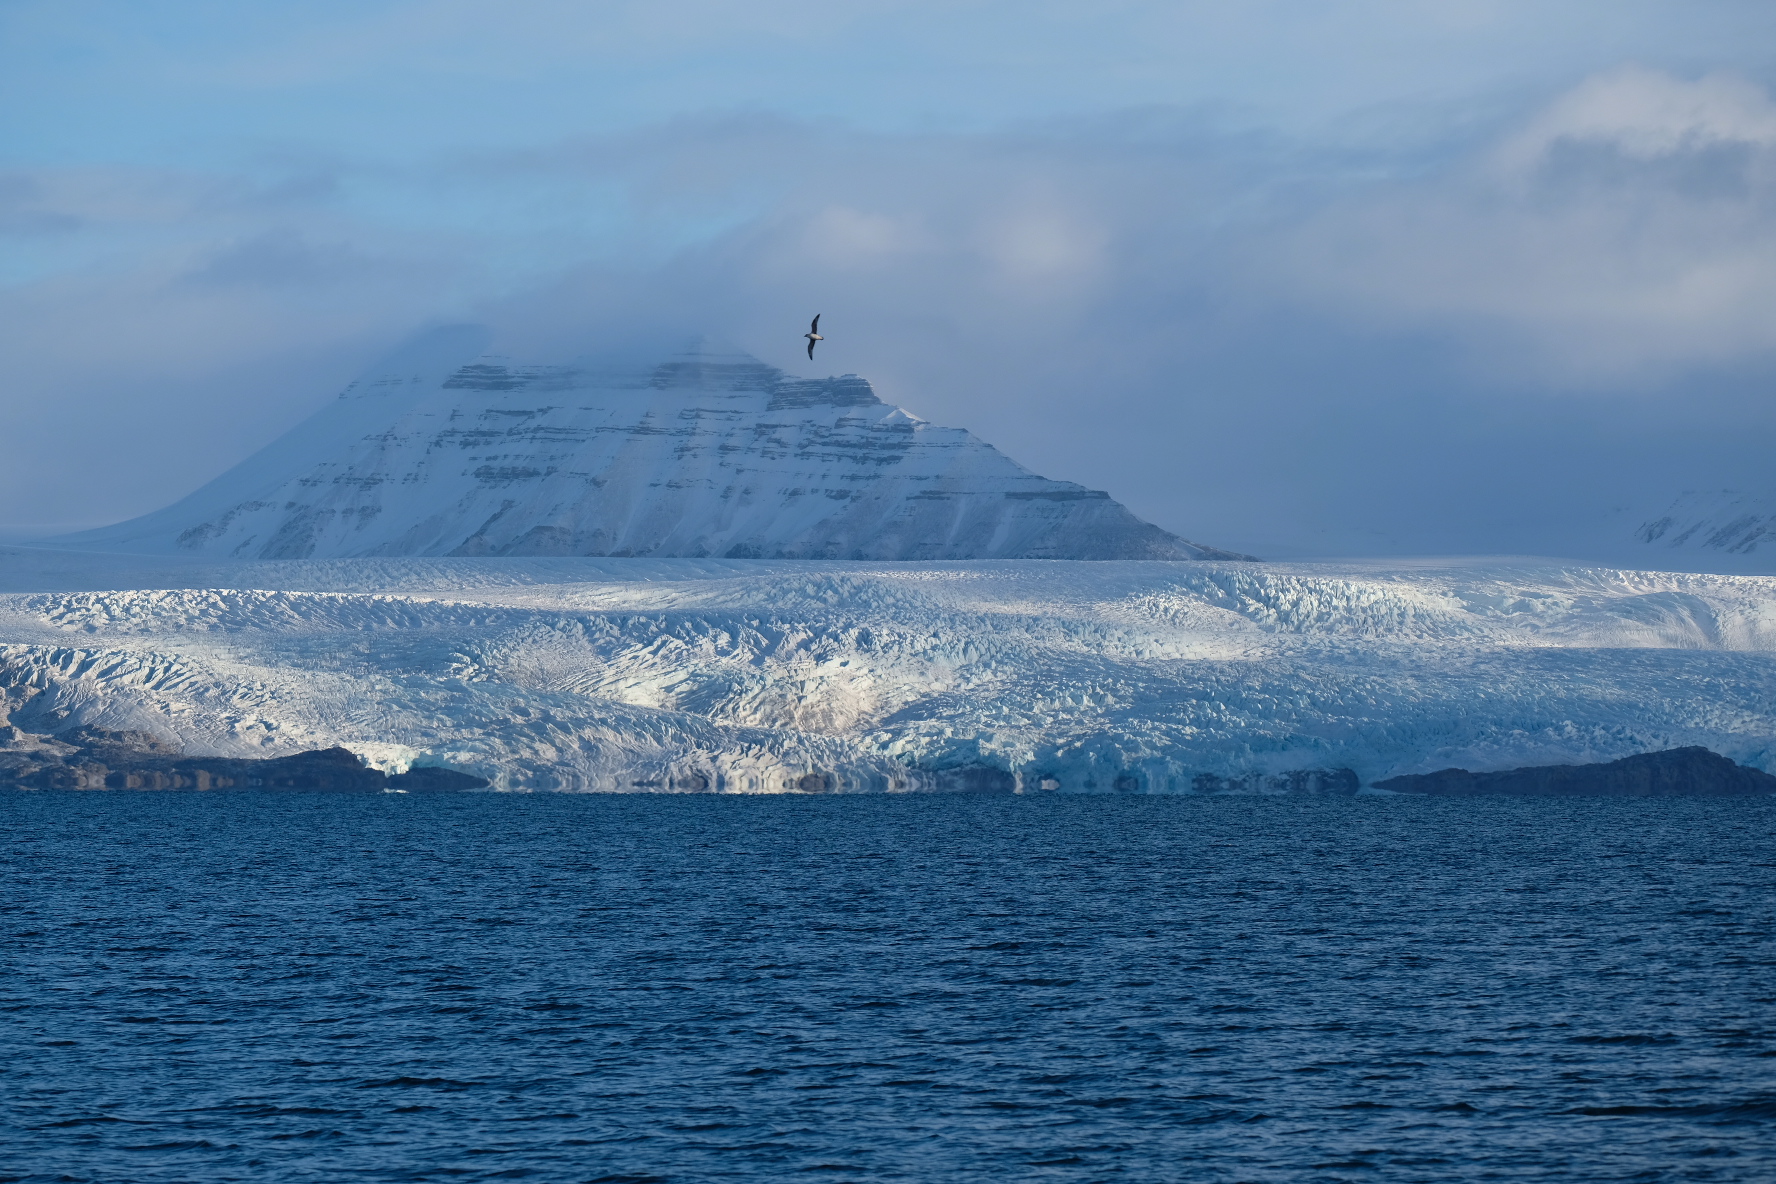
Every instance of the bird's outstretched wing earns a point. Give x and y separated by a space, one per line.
810 351
815 327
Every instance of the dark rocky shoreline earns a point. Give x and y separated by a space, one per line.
87 758
96 759
1677 772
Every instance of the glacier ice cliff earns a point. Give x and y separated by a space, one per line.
708 453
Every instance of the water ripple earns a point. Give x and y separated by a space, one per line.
660 988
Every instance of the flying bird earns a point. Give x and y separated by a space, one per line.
813 335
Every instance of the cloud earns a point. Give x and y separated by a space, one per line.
285 258
1042 244
1645 115
842 238
1625 232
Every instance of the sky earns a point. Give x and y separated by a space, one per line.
1349 277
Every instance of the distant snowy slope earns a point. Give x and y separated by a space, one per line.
1726 525
710 453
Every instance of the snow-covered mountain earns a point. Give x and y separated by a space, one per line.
445 451
1728 526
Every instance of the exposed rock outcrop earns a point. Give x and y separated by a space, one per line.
1677 772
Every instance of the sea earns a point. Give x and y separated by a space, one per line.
313 987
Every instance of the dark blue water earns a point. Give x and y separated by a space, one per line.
322 988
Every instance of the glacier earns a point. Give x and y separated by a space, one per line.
445 450
734 675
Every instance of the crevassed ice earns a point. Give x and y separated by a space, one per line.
744 675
